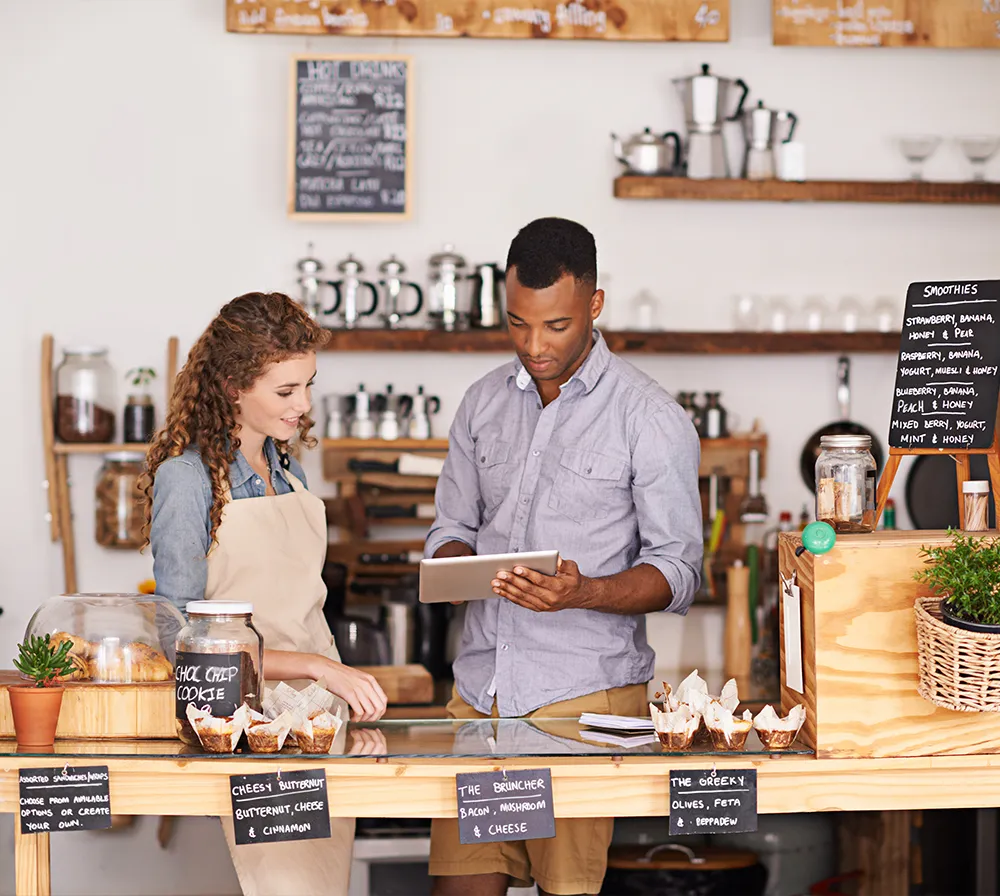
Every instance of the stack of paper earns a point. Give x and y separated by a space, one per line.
616 723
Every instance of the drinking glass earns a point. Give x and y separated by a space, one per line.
850 314
814 314
779 313
979 150
746 313
886 310
917 150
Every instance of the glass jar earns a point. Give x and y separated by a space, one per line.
118 501
714 425
220 661
845 483
115 638
85 396
139 422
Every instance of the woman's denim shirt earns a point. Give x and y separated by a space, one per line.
182 499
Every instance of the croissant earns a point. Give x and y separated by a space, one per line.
136 662
79 655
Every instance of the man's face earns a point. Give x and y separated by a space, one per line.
551 328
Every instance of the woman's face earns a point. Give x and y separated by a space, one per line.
279 398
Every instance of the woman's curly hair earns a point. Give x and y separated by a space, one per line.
250 333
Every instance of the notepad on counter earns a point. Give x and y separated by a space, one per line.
625 741
616 723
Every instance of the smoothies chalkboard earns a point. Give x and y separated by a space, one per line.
351 133
948 372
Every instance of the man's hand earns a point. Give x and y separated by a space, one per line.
566 590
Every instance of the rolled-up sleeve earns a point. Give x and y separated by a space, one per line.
665 464
179 531
458 502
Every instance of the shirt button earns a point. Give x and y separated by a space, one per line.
504 647
588 469
258 482
535 453
524 500
482 460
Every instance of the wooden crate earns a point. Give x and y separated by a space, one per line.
113 711
859 645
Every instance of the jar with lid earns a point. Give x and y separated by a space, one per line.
85 396
139 422
714 423
118 501
220 661
845 483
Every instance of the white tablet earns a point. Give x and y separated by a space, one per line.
468 578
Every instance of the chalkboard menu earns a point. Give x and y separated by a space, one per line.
713 801
211 681
351 137
948 372
73 798
280 806
498 806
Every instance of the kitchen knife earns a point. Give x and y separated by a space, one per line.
407 465
392 511
390 559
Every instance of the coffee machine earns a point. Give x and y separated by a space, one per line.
707 100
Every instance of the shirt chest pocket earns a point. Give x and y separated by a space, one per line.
588 485
493 461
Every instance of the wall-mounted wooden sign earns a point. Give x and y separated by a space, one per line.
887 23
351 137
641 20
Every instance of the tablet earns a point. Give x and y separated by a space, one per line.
468 578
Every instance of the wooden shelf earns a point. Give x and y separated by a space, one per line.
383 444
965 192
667 342
98 448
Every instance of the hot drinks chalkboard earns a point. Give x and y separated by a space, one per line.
948 372
352 119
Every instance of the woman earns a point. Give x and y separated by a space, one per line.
229 518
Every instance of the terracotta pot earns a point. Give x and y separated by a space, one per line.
36 714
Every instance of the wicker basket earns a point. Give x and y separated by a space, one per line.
959 670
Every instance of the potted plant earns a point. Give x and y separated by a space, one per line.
958 628
965 575
35 707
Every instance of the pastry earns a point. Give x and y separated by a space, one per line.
79 654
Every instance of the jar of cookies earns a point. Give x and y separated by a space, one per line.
85 396
220 662
845 483
119 502
115 638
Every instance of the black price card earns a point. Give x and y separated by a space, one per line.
713 801
513 805
211 681
280 806
948 370
72 798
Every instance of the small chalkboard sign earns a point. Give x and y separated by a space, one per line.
511 805
211 681
352 137
948 372
713 801
280 806
72 798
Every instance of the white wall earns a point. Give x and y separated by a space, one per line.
142 184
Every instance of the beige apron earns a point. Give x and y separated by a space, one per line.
270 552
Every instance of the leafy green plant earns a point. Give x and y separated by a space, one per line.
140 376
966 574
42 661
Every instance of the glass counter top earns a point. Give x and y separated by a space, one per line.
426 739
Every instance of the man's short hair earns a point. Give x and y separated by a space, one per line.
548 249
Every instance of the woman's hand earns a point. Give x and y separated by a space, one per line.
361 691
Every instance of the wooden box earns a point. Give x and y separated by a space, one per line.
859 653
109 711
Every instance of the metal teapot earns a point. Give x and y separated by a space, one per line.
649 153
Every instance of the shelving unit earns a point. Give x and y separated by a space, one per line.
56 454
727 458
739 189
672 342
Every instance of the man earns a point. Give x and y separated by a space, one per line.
570 449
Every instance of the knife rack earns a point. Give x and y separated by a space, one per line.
359 507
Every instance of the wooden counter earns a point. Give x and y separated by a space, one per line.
583 787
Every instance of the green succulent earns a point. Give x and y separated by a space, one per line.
42 661
966 574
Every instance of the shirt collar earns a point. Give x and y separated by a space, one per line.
240 472
589 374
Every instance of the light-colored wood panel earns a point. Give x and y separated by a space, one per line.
636 20
31 863
886 23
403 684
862 699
